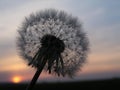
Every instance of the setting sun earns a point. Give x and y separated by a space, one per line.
16 79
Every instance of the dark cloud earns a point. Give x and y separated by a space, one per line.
99 75
5 76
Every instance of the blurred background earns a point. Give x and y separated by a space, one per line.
100 19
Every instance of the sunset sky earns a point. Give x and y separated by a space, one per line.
100 19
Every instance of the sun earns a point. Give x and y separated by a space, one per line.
16 79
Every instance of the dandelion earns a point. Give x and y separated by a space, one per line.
53 41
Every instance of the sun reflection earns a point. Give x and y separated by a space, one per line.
16 79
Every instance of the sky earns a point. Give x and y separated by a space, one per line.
100 20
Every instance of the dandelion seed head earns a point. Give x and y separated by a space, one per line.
53 28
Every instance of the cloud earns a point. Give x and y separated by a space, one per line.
88 16
4 76
98 75
105 39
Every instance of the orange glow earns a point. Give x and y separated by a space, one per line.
16 79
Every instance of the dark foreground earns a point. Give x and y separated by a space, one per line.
113 84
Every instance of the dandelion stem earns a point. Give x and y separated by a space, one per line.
35 77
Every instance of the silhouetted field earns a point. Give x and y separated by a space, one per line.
113 84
